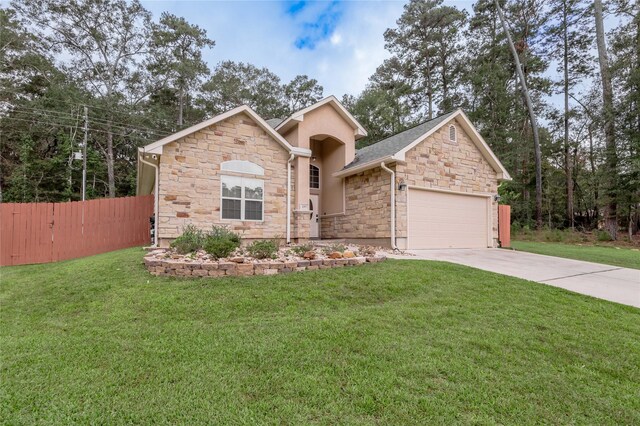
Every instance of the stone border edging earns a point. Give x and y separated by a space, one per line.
182 268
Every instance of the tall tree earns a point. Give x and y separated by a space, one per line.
532 116
177 56
611 155
102 43
568 39
235 83
426 43
302 92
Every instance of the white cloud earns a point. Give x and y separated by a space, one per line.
262 33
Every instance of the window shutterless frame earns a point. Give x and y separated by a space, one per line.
314 176
239 198
452 133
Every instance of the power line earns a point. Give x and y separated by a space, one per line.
67 116
63 125
99 120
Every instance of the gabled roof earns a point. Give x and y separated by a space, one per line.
395 147
156 147
298 116
395 143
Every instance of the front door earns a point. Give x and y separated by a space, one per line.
314 228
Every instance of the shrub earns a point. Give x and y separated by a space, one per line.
335 247
222 232
221 242
263 249
301 249
192 239
602 235
219 247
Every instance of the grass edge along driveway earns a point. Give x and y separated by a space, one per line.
99 340
607 255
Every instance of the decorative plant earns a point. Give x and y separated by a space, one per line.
301 249
192 239
263 249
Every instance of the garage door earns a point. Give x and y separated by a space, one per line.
446 220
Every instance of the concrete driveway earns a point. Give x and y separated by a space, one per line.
606 282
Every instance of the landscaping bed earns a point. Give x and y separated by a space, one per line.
243 261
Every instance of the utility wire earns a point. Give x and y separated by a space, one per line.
67 116
66 124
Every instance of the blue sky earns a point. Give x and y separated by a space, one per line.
339 43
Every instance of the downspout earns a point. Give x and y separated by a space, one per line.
393 204
156 200
289 197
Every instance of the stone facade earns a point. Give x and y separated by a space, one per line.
435 163
441 164
189 189
367 213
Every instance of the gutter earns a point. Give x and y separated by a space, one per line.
289 197
393 204
156 199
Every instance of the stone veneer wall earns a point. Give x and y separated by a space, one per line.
439 163
367 214
184 268
190 188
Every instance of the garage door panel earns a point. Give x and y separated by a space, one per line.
446 220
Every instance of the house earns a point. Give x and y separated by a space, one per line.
431 186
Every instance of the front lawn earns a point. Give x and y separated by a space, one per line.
608 255
100 341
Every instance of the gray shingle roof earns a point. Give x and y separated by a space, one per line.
394 144
273 122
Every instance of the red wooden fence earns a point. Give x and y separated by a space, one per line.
48 232
504 225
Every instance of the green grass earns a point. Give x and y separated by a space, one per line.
616 256
99 341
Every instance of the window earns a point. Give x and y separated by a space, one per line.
242 198
314 177
452 133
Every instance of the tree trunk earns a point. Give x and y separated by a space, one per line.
180 106
568 166
532 117
592 161
111 176
611 155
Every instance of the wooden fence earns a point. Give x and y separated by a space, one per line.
504 225
49 232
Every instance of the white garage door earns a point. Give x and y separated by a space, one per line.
446 220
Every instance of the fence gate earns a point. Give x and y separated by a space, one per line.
504 225
48 232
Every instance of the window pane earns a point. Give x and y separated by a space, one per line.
231 187
253 189
231 209
253 210
314 177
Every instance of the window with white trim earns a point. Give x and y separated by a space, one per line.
242 198
314 177
452 133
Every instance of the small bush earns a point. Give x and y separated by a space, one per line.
222 232
192 239
602 235
301 249
219 247
335 247
263 249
